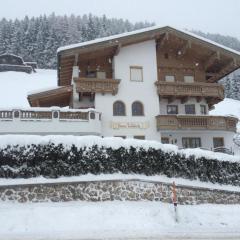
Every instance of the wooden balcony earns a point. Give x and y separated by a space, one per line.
197 89
96 85
196 122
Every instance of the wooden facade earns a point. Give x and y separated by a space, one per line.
185 122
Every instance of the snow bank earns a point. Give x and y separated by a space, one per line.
113 142
16 85
117 220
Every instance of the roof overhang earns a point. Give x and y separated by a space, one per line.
151 33
60 97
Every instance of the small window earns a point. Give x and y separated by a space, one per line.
166 55
136 73
191 142
123 137
172 109
188 79
170 78
119 109
203 109
190 109
218 142
140 137
137 109
165 140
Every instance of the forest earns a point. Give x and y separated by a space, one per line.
37 38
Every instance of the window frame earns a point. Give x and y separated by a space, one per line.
187 105
189 141
170 105
142 110
170 75
139 137
114 112
205 109
165 140
188 75
136 68
218 138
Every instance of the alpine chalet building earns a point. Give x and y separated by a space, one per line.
156 84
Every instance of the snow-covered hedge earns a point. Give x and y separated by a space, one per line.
54 156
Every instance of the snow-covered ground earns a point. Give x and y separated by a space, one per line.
116 220
15 86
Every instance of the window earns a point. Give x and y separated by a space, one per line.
172 109
119 109
123 137
203 109
189 79
91 74
101 75
218 142
191 142
165 140
137 109
170 78
136 73
190 109
140 137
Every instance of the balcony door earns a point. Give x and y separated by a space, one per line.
191 142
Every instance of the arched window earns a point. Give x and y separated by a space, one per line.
137 109
119 109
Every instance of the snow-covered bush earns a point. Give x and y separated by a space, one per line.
53 160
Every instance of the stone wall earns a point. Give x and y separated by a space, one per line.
110 190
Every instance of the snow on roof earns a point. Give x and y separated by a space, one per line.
115 37
16 85
40 90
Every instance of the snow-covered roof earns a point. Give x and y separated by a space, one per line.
144 30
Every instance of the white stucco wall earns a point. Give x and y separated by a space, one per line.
206 137
144 55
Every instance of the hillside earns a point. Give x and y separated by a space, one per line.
15 86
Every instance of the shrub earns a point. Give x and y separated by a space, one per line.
52 161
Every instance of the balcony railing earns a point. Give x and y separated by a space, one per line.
194 122
46 121
196 89
96 85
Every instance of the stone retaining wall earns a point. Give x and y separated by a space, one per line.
110 190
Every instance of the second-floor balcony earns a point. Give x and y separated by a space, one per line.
196 122
97 85
46 121
196 89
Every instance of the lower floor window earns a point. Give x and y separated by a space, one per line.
218 142
165 140
124 137
191 142
140 137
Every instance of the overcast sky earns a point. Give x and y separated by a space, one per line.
215 16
